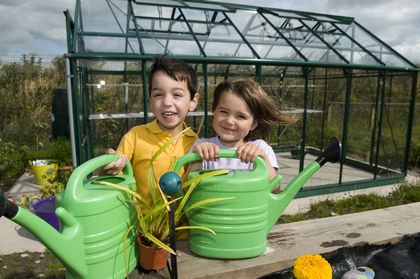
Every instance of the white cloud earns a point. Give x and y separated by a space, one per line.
39 26
29 26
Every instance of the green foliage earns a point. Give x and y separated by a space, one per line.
11 163
406 193
415 148
26 96
60 150
360 203
153 215
55 183
52 189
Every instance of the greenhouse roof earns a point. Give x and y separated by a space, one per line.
225 33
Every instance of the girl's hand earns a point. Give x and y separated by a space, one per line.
249 152
207 151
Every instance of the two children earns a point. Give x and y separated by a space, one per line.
242 116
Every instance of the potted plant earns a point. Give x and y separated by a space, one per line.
44 171
152 226
43 168
51 177
43 204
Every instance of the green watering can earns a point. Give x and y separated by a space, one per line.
242 223
95 219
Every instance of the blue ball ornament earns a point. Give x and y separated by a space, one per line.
170 183
362 272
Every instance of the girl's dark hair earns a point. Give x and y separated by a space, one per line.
176 69
263 107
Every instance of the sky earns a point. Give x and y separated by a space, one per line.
28 26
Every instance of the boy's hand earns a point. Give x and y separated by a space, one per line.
249 152
117 166
207 151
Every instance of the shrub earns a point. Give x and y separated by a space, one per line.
11 163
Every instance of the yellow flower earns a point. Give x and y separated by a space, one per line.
312 267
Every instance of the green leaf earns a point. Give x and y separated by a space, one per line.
159 243
196 228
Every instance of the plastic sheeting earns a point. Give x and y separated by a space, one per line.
389 261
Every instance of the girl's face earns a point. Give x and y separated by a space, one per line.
232 120
170 102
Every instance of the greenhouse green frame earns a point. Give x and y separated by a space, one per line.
330 60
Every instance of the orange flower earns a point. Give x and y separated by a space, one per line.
312 267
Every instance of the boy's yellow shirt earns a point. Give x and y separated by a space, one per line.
141 142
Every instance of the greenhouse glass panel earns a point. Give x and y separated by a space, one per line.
393 60
152 12
162 2
325 18
208 6
97 17
183 47
242 19
132 45
104 44
154 46
277 52
286 14
223 32
376 47
163 25
359 57
227 49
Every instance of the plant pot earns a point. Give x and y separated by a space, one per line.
45 209
151 258
44 172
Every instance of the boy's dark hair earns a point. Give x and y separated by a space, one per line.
262 106
176 69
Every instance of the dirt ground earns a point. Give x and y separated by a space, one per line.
31 265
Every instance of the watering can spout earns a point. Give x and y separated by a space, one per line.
331 153
67 245
279 202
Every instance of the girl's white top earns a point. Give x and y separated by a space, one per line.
233 163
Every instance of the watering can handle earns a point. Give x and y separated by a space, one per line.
224 153
75 182
7 209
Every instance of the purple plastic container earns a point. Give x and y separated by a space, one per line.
45 209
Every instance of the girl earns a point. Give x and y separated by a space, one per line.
242 117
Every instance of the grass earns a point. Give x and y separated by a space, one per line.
406 193
35 264
31 265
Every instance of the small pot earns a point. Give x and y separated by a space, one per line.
151 258
44 173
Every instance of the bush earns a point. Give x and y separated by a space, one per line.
14 159
11 163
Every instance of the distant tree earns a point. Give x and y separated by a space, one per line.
26 94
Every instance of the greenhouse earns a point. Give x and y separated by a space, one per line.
336 76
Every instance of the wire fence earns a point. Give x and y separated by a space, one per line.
45 60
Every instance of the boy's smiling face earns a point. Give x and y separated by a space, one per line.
170 102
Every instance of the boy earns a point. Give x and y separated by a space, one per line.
173 88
